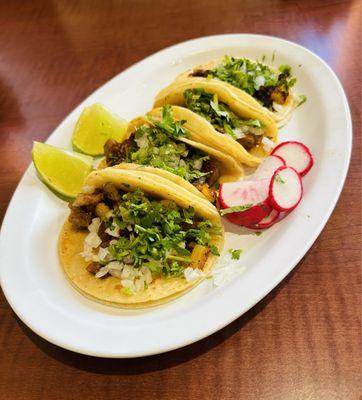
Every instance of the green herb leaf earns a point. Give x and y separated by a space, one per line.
219 114
302 100
214 250
235 254
279 179
234 209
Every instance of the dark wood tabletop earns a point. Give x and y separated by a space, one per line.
303 340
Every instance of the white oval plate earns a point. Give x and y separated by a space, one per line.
31 276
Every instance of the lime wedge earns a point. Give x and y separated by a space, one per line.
62 171
95 126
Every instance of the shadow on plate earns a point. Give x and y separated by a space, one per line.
134 366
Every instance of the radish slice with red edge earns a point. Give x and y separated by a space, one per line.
296 155
268 221
286 189
267 168
245 202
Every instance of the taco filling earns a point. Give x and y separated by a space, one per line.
138 239
248 133
258 80
159 144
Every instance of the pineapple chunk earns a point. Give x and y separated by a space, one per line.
199 256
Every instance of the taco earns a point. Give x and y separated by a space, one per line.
244 128
136 239
267 87
169 142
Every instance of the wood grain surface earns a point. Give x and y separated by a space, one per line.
303 340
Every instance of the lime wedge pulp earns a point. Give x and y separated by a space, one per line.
62 171
95 126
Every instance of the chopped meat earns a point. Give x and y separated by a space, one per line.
212 167
116 152
264 95
202 73
85 199
267 95
250 141
82 209
186 226
279 96
93 267
111 192
102 210
190 245
103 235
80 217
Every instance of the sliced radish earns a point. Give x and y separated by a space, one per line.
251 216
296 155
286 189
267 168
251 195
243 192
268 221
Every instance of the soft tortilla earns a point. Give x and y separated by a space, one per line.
109 290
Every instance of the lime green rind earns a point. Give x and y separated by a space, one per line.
57 168
94 127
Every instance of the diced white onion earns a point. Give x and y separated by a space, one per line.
94 226
103 253
238 132
268 144
142 141
226 270
93 240
191 274
113 232
127 283
115 273
102 272
259 81
278 107
88 189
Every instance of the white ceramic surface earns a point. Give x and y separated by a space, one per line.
30 273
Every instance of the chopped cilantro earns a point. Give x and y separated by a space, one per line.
235 254
160 145
219 114
231 210
127 291
279 179
158 234
243 73
302 100
214 250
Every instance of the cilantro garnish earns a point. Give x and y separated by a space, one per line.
231 210
279 179
235 254
256 78
160 146
218 114
155 234
302 100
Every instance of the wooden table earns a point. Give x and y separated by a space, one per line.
303 340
